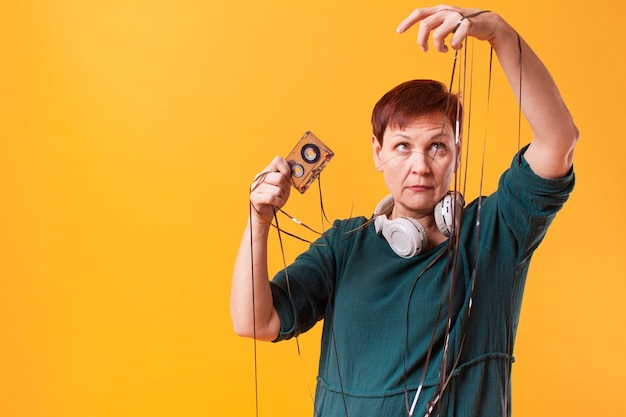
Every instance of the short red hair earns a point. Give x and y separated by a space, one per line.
413 99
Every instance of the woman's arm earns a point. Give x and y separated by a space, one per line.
551 152
251 306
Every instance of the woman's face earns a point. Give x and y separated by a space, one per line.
418 162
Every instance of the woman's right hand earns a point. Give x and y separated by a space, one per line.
270 189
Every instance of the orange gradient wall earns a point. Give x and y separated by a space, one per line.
130 132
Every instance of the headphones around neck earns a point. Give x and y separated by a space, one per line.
406 236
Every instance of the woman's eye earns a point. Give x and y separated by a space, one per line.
403 147
437 147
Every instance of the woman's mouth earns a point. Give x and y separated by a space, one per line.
419 188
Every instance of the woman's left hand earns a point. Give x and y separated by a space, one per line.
443 20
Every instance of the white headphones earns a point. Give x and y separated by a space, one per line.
406 236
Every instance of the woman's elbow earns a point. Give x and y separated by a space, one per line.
574 137
265 333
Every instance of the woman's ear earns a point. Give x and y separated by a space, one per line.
376 149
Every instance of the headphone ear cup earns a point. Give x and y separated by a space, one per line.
448 212
405 236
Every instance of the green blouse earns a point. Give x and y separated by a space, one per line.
386 333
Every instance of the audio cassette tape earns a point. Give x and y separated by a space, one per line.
307 159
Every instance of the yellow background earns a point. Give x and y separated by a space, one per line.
130 132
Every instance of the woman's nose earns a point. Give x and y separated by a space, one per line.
420 163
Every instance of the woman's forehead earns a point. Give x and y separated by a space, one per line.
430 125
